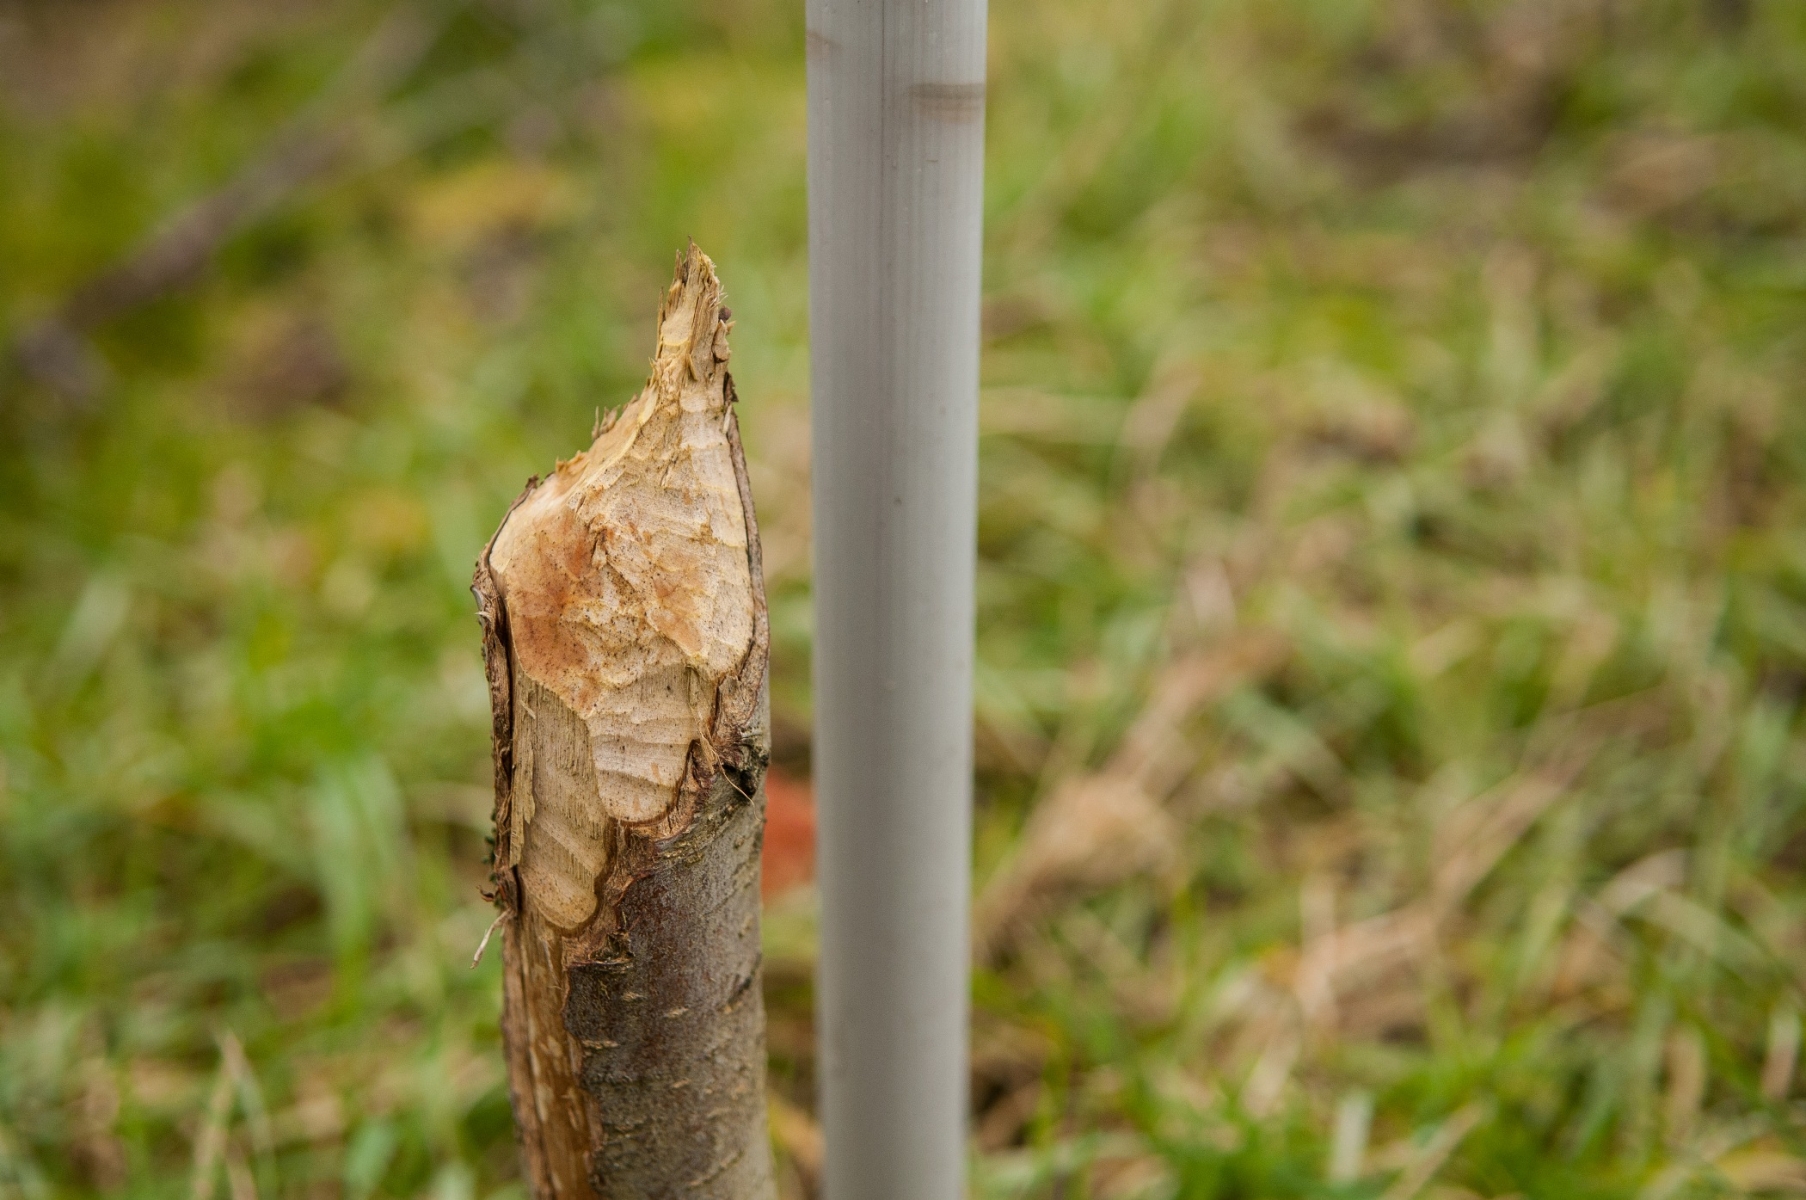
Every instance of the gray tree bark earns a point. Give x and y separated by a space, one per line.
626 645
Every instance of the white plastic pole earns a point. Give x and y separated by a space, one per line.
896 156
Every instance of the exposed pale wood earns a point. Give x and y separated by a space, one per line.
626 644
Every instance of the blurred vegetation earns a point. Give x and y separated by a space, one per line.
1393 584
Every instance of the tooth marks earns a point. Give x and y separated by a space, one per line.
628 589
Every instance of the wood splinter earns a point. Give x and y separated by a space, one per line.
626 642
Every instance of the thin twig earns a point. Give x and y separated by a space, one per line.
483 945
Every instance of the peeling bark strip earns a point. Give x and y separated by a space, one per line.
625 638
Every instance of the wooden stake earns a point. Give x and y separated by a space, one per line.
626 643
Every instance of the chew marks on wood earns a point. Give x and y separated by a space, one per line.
626 642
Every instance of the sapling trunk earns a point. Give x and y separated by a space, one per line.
626 642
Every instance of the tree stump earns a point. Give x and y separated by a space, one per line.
626 645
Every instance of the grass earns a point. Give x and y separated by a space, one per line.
1392 609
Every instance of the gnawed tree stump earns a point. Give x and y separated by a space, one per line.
626 642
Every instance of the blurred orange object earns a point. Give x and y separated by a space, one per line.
789 856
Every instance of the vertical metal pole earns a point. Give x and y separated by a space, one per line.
896 157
